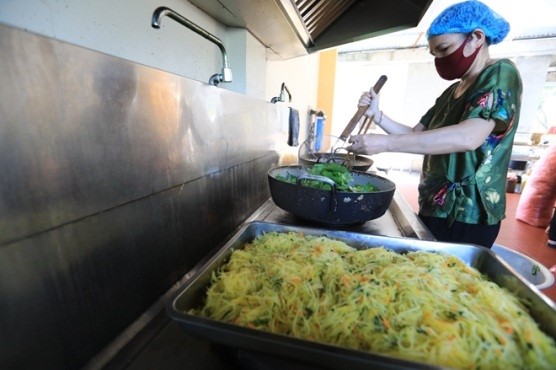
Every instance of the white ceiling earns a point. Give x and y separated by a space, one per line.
529 19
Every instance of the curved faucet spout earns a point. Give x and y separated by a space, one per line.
161 12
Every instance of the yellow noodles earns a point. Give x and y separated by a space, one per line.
420 306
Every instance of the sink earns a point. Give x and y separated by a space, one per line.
530 269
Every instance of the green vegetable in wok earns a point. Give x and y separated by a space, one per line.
337 173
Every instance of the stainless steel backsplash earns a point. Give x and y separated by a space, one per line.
115 180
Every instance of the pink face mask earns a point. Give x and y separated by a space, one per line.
456 64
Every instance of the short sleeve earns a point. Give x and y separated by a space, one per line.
496 95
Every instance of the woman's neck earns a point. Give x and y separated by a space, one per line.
481 62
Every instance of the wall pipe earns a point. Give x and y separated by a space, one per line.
226 75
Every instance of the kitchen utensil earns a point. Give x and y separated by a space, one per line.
350 160
327 149
330 207
361 111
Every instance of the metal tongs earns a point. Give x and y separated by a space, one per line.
347 160
360 112
330 154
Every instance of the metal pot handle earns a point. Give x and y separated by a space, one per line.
307 176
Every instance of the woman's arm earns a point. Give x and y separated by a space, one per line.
467 135
393 127
371 99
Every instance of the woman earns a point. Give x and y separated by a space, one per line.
467 135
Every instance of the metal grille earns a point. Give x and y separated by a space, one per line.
318 15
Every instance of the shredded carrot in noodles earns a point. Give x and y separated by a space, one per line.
420 306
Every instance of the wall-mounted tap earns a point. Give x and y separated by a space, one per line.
282 96
226 75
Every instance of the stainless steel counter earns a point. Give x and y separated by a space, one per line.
398 221
163 345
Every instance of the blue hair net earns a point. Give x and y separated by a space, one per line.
467 16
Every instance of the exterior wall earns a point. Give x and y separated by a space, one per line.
327 74
301 77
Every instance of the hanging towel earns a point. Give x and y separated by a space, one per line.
293 134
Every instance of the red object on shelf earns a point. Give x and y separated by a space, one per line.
536 203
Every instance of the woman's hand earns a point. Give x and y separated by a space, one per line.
368 144
371 99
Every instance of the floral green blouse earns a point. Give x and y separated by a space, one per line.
470 186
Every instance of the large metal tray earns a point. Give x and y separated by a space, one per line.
543 310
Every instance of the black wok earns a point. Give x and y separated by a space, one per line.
331 207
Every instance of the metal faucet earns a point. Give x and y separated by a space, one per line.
282 97
226 75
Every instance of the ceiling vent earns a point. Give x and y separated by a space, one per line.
292 28
318 15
